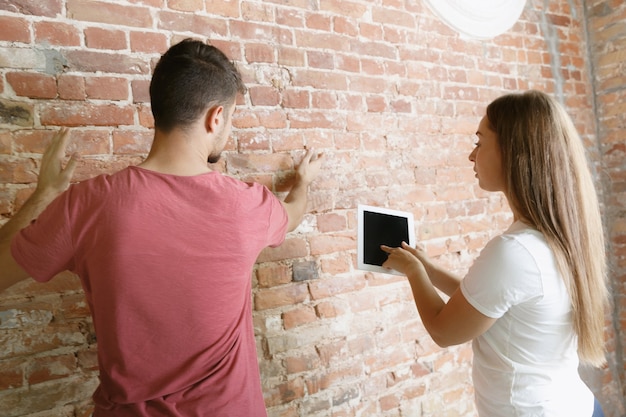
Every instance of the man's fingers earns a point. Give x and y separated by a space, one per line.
57 144
62 139
308 156
71 166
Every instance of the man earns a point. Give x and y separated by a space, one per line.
164 250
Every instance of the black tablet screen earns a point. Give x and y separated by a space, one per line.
382 229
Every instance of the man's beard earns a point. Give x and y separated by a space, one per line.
215 157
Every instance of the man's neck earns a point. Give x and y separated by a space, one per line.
176 154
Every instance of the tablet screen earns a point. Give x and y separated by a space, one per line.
381 226
382 229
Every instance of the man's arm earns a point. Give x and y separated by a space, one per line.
296 200
53 180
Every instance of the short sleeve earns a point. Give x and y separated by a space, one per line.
504 275
278 218
44 248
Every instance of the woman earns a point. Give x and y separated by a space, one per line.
533 302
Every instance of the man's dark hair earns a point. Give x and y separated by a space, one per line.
190 77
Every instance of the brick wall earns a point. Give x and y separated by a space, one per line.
607 31
389 93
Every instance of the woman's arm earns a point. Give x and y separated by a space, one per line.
440 277
451 323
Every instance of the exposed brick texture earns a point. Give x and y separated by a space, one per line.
390 94
607 33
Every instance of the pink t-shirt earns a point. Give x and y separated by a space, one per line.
165 262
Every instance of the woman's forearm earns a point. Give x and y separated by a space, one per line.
441 278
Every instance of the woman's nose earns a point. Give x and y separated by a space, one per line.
472 155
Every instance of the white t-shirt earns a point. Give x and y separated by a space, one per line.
526 364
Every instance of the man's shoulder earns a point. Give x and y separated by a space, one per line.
99 183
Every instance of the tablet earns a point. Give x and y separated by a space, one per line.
381 226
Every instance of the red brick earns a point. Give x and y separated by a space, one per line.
49 368
245 164
98 38
316 119
272 119
376 104
11 374
325 288
185 22
159 4
33 85
186 5
339 376
140 90
331 243
85 114
71 87
48 8
347 63
346 26
106 88
321 60
295 99
105 12
89 142
88 360
330 309
14 29
228 8
401 106
259 53
145 117
319 21
148 42
291 57
132 142
398 17
323 41
258 12
231 49
324 100
273 275
280 296
264 96
298 317
6 139
56 33
389 402
106 62
253 30
252 140
306 361
74 306
32 141
344 8
370 31
289 17
286 392
334 266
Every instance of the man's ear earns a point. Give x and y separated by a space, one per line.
214 117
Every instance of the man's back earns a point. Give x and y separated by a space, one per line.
165 262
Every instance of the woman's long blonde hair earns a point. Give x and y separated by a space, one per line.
549 184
